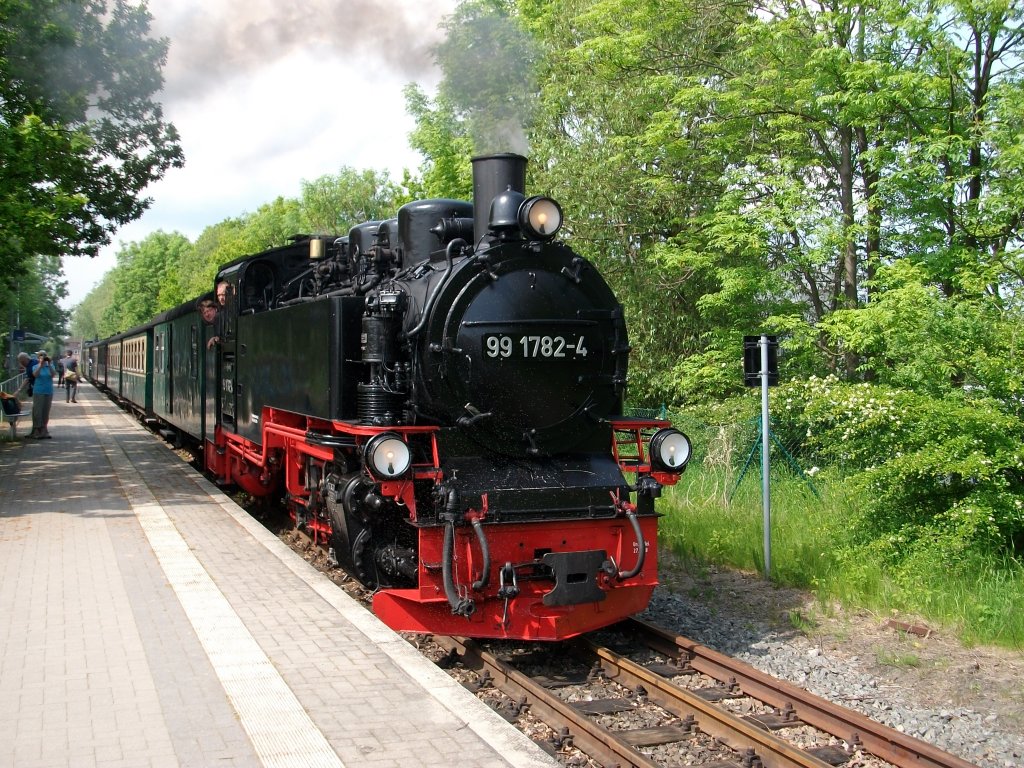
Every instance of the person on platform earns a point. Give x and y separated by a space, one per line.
27 363
42 395
70 376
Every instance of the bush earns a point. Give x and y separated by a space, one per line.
943 475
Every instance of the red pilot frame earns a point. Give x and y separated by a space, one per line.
473 576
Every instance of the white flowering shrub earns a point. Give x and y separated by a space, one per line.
944 476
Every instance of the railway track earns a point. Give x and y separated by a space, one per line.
886 743
626 713
640 695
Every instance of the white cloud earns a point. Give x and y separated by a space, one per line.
258 118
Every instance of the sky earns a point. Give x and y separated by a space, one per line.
267 94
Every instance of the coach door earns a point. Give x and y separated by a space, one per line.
163 384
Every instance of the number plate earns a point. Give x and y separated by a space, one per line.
528 346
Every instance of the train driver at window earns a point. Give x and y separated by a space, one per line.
223 296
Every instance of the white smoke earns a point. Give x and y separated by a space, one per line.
489 61
214 41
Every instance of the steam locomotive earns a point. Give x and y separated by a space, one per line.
438 399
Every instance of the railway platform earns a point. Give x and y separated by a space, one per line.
147 621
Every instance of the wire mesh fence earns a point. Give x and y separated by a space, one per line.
727 454
660 412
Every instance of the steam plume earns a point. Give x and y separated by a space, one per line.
212 42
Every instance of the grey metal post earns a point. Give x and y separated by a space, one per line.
765 462
11 363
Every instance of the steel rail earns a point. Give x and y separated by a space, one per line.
612 747
721 724
598 742
886 743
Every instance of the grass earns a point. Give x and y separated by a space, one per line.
708 520
898 659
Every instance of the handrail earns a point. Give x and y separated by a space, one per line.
12 384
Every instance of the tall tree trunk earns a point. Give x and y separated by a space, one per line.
873 236
846 178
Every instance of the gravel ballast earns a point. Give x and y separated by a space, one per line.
966 701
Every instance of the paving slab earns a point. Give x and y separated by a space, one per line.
146 620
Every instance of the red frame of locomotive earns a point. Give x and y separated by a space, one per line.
285 454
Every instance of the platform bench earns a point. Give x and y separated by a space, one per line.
12 419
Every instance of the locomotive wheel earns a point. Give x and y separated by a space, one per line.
350 532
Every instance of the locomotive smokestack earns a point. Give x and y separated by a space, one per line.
492 175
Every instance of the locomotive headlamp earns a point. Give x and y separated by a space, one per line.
670 450
387 456
540 217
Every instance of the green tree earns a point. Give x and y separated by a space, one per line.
631 163
870 133
32 304
486 100
142 272
333 204
165 270
81 136
271 225
753 171
958 342
940 474
489 60
216 245
87 316
443 141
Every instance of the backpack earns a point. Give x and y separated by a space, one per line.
30 378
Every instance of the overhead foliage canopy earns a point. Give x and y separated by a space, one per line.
165 269
740 169
81 135
846 175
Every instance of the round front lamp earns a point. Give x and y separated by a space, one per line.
540 217
387 456
670 450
